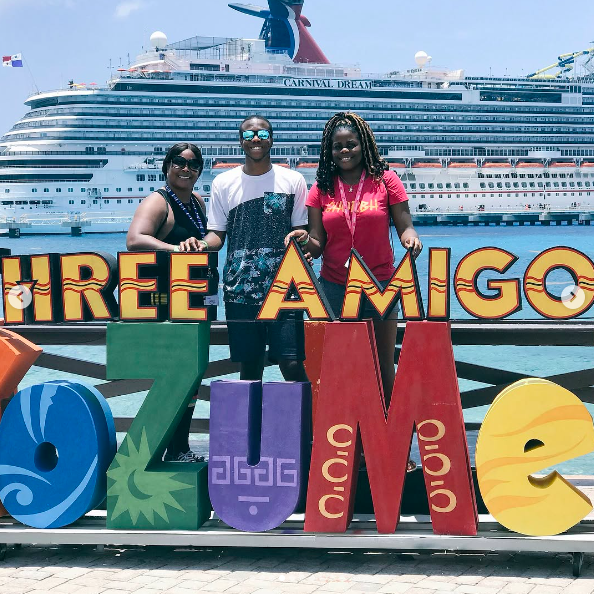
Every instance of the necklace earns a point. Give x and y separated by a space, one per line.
196 220
348 185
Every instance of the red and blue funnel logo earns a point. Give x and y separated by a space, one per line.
285 30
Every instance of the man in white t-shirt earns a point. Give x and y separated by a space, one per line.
255 207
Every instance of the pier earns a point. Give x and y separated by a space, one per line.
62 223
508 218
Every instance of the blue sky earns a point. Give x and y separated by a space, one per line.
75 39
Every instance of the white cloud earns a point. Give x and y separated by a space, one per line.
126 8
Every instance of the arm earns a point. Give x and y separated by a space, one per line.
149 218
311 243
213 241
404 226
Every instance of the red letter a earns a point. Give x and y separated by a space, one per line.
351 410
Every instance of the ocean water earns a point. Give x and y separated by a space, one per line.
524 242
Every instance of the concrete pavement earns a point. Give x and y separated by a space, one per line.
86 570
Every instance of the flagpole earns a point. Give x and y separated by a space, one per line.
26 63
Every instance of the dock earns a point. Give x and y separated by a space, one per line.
507 218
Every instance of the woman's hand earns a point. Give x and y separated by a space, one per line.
414 243
301 235
302 238
191 245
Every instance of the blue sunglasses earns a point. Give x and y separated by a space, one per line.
262 134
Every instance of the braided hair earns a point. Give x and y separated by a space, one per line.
373 162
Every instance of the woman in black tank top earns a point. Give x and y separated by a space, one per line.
173 219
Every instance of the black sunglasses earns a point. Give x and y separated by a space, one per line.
180 162
262 134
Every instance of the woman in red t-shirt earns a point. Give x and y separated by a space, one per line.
352 174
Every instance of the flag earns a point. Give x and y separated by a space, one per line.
16 61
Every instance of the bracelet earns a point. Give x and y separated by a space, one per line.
303 242
176 248
203 243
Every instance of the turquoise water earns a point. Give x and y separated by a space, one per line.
524 242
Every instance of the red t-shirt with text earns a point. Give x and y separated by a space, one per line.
372 237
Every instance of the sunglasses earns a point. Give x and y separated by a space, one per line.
262 134
180 162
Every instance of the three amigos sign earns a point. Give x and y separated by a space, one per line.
57 440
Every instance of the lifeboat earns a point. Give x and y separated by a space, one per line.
225 165
397 165
495 165
562 164
427 165
307 165
462 166
281 164
588 164
528 165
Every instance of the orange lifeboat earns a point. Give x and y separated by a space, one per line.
225 165
588 164
528 165
462 166
562 164
307 165
397 165
495 165
428 165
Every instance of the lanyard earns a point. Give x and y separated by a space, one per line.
196 220
351 219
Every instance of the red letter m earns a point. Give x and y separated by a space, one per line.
351 411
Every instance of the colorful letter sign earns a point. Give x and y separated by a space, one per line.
259 442
351 411
531 425
144 492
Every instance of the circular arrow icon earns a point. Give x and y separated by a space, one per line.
20 297
573 297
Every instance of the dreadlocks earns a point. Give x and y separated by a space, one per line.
372 160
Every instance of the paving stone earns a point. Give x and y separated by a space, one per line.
395 588
220 585
518 588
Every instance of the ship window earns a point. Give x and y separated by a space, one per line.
161 177
422 186
491 185
94 201
70 201
448 186
141 189
207 187
507 184
430 186
106 189
106 202
47 202
7 202
140 177
83 201
71 189
129 189
33 190
413 186
58 189
456 185
130 201
482 185
516 185
563 184
540 184
46 189
556 184
465 185
405 186
118 189
152 189
524 185
531 184
440 186
499 185
152 177
21 202
119 201
7 191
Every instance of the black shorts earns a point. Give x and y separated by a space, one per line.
248 337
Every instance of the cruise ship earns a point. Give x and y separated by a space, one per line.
83 157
